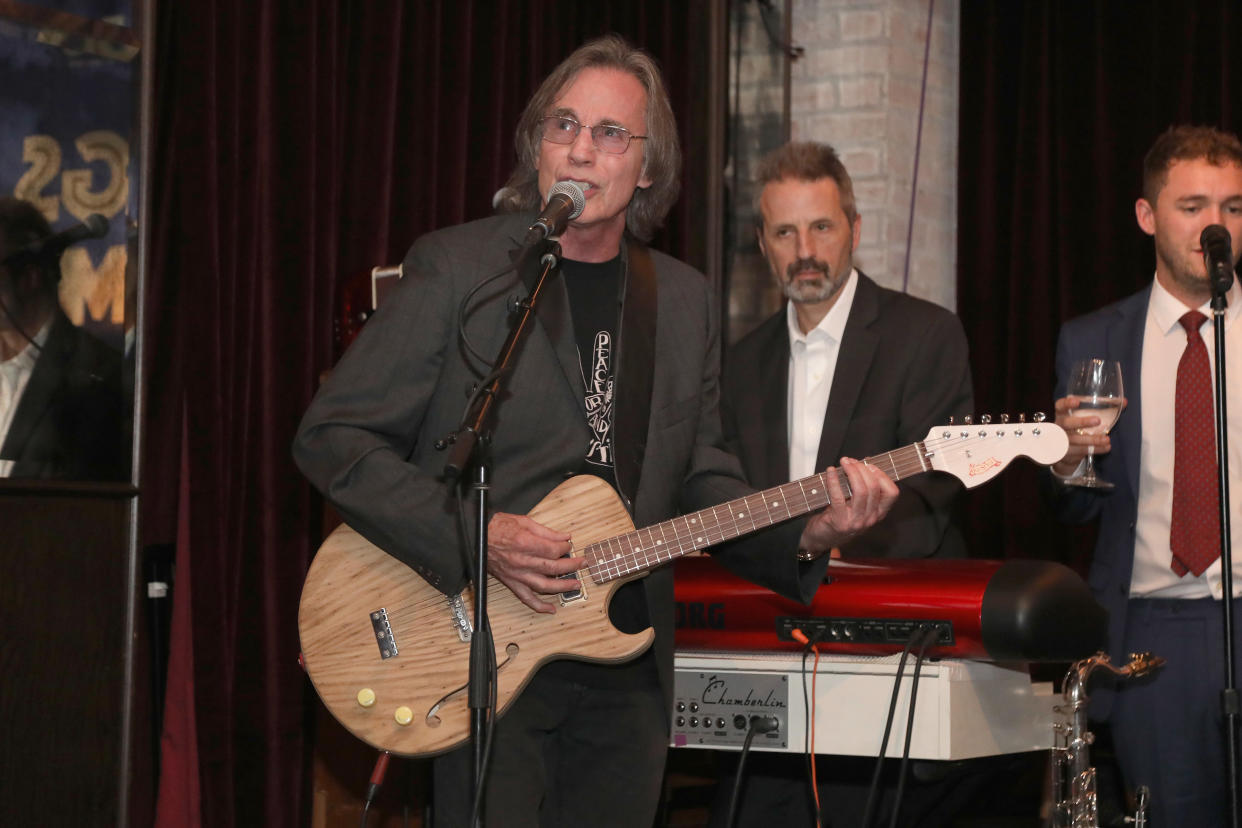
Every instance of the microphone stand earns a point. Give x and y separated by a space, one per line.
1229 695
470 445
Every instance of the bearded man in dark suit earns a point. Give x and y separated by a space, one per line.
845 369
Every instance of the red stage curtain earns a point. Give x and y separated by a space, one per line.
179 795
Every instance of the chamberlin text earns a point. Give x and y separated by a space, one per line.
716 692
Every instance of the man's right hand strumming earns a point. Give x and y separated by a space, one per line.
528 557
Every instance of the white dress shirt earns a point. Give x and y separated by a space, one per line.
1164 340
812 364
14 377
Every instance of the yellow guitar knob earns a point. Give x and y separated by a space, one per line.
366 697
403 715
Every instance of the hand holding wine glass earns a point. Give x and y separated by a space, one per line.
1097 385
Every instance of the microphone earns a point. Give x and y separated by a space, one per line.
95 227
565 203
1217 257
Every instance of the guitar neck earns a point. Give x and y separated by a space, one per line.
642 549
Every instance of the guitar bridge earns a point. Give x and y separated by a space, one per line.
457 609
383 633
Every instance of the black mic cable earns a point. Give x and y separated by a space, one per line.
758 724
924 638
873 793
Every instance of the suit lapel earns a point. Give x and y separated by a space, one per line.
772 401
552 312
858 347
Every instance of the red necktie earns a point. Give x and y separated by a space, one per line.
1195 532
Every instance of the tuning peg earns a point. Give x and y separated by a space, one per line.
1038 417
986 419
1022 417
967 420
1005 418
950 421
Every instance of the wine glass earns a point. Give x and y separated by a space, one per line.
1097 384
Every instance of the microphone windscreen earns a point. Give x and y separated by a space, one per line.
571 189
1214 236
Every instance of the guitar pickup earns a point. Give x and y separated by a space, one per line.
383 633
569 596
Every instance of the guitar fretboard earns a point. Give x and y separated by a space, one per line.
660 543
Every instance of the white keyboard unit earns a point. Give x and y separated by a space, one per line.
964 709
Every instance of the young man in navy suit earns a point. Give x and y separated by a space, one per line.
1156 566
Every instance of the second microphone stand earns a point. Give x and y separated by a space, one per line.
1229 695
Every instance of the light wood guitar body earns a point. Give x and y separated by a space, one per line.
350 579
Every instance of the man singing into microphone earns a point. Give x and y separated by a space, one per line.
1156 567
618 378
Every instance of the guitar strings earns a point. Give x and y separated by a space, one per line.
416 609
639 554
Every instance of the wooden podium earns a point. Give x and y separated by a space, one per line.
73 700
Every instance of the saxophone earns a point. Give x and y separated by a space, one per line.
1073 777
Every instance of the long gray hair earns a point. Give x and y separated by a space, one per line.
661 151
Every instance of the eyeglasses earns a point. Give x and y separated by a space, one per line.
607 137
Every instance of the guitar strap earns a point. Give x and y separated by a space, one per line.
636 369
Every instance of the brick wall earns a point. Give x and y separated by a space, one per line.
857 86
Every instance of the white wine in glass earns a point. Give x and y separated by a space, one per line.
1097 385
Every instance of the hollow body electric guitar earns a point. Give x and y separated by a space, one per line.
388 653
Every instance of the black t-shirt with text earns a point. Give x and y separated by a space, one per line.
594 291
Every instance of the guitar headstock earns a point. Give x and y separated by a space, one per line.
977 452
